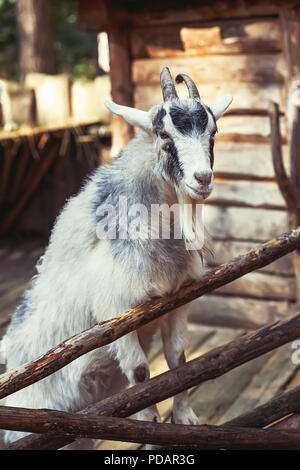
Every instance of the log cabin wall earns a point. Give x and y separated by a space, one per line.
243 47
244 57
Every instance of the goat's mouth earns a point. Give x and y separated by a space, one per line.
198 193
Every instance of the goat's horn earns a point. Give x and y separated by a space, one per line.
167 85
193 92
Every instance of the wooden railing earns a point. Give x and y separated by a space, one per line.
106 418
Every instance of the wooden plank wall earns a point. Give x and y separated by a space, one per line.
245 58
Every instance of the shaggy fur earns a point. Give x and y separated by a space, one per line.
83 280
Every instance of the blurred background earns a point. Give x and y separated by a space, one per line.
59 61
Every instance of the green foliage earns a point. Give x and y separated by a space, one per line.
75 50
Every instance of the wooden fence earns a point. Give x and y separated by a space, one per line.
60 428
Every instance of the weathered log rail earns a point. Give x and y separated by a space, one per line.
120 429
209 366
206 367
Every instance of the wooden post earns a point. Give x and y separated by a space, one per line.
121 83
106 15
290 20
295 179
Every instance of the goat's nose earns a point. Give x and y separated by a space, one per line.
203 177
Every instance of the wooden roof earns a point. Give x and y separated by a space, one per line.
98 15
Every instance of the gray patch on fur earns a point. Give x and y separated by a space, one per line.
146 257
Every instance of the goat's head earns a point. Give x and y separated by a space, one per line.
184 130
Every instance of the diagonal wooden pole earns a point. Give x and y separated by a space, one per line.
206 367
102 334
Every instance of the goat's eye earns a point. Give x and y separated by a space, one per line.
164 135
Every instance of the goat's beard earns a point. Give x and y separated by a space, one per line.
192 223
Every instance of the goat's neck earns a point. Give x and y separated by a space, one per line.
143 166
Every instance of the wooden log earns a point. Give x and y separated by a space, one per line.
102 334
120 429
252 125
295 182
207 12
221 37
211 399
56 129
226 249
262 286
37 147
251 96
201 340
208 366
290 24
244 223
265 385
295 152
232 311
261 68
237 137
233 160
247 193
276 409
94 14
290 21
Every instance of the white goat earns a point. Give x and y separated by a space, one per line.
83 279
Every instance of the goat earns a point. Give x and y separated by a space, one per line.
83 279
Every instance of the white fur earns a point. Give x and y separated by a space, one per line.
79 283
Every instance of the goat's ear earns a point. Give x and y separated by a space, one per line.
133 116
220 106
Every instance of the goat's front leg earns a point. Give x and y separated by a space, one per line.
134 364
174 335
